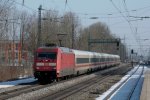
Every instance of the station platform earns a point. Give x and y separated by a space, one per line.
145 93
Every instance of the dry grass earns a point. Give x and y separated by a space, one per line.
13 72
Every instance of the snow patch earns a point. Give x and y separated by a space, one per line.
16 82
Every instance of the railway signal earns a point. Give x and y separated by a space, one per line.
39 27
118 42
132 51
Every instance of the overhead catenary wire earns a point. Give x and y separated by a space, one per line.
128 16
67 5
5 5
22 2
127 19
115 13
23 5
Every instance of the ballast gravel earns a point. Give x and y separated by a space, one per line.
57 87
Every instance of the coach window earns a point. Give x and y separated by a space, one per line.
110 59
94 59
82 60
103 59
100 59
107 59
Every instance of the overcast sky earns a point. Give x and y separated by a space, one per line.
119 15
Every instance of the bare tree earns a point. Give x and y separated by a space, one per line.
70 27
96 31
28 34
5 10
5 27
50 26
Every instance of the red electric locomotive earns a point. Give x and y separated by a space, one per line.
53 62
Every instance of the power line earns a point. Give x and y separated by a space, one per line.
122 15
112 13
128 14
127 19
141 17
22 2
66 4
24 6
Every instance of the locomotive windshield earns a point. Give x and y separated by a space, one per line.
46 55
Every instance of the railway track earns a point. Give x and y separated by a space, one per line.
24 89
65 92
15 92
100 79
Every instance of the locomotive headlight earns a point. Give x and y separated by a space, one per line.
37 68
52 64
39 64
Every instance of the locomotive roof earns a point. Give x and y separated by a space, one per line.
47 47
63 49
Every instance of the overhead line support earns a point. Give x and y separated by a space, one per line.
39 27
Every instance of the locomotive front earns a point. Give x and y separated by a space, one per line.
45 62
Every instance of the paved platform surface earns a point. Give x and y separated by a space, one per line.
131 89
145 93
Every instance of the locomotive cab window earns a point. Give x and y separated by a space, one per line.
46 55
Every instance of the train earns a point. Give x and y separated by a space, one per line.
55 63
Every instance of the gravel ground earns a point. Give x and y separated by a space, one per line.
84 95
94 91
12 88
